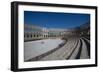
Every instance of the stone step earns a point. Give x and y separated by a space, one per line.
70 51
84 51
61 53
73 56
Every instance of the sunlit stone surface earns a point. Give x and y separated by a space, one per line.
35 48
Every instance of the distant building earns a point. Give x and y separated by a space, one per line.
33 32
85 29
45 32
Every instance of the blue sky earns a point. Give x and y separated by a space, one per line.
55 20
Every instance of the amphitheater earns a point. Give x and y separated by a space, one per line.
42 44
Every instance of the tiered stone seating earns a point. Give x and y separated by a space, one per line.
74 48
